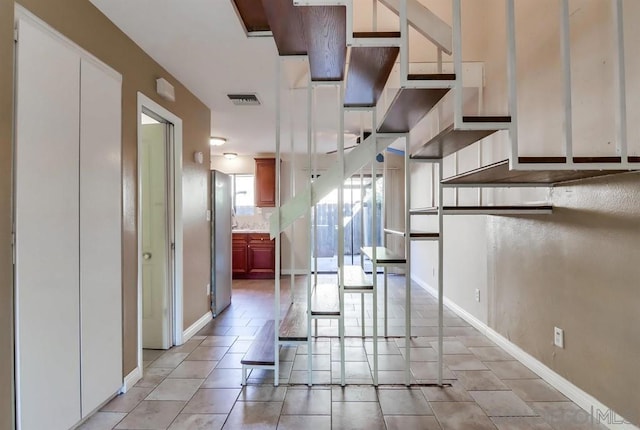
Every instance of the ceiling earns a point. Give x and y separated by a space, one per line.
202 44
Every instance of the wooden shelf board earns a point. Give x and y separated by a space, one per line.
431 77
383 255
285 21
293 327
522 209
325 300
262 349
325 29
423 211
525 209
408 107
369 69
414 234
356 279
499 173
376 34
450 140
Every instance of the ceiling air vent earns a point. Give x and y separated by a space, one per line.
244 99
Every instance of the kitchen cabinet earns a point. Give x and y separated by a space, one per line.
265 192
239 255
254 256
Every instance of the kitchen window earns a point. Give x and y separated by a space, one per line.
243 189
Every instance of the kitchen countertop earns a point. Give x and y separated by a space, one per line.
250 231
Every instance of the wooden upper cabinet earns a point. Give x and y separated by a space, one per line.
265 182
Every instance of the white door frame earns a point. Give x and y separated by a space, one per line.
177 272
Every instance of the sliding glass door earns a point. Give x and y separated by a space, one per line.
357 221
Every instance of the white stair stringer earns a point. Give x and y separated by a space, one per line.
425 22
360 156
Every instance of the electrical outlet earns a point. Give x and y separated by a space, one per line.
477 294
558 337
208 215
208 287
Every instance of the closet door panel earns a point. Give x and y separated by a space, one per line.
47 233
100 236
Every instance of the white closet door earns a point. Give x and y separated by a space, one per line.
47 207
100 236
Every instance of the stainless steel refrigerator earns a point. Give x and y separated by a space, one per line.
220 242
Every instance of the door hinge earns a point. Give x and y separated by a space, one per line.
15 34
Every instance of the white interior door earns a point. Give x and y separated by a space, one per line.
47 234
155 242
100 236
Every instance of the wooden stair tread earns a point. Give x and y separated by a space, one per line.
369 69
294 325
376 34
325 30
499 173
285 22
451 140
408 107
414 234
431 77
522 209
383 255
253 15
356 279
325 300
262 349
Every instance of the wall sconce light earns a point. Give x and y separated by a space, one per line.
229 155
217 141
198 157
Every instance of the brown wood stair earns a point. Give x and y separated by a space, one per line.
499 173
325 29
414 234
451 140
285 22
356 280
252 15
262 349
410 105
383 255
523 209
293 327
369 69
325 300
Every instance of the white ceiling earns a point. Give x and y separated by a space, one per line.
202 43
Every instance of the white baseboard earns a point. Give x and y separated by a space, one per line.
295 271
597 411
131 379
196 326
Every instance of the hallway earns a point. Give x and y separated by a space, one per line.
197 385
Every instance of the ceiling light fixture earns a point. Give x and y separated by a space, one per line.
217 141
229 155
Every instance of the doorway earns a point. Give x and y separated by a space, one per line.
357 221
159 228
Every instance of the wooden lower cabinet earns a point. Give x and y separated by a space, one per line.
254 256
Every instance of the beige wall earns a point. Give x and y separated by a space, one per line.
577 268
81 22
6 269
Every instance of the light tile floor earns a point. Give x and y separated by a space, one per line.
196 386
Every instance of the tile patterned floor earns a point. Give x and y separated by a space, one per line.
197 386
